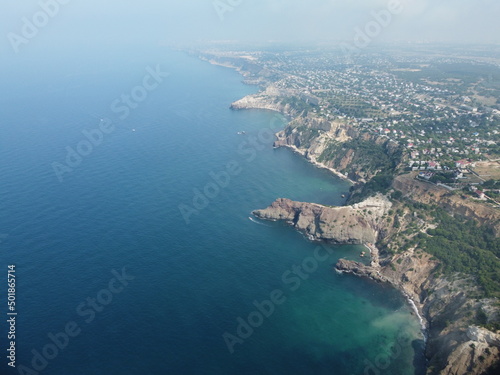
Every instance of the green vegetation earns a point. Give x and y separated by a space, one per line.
368 155
354 106
298 104
465 247
375 162
397 195
457 77
482 319
306 134
367 158
491 184
378 184
443 177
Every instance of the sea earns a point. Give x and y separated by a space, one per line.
127 185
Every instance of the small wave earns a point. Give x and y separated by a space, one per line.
421 319
257 222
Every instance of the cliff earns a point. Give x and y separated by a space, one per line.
450 306
341 145
455 344
271 99
355 224
452 202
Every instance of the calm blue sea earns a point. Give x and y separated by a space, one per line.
183 287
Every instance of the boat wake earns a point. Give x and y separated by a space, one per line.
257 222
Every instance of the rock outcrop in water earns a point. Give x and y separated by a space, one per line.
454 346
356 224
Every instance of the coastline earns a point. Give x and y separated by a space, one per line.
224 65
450 350
412 301
288 116
417 307
317 164
312 220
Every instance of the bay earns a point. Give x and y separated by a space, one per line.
118 210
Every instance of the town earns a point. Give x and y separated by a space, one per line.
441 108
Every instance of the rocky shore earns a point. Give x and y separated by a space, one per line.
356 224
454 346
313 160
456 349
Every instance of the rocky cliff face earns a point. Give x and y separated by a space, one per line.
340 145
270 99
454 345
355 224
261 102
452 202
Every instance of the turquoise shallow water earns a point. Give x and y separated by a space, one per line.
192 281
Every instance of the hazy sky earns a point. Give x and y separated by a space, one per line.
121 21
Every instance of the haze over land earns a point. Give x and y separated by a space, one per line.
85 22
133 135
